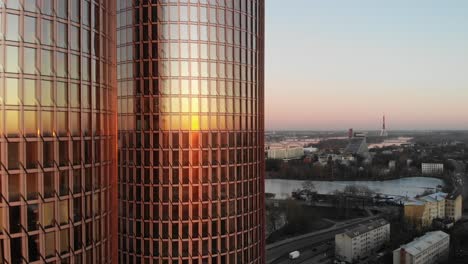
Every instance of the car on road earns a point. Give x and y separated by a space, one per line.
294 255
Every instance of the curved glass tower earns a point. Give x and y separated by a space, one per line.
191 162
57 131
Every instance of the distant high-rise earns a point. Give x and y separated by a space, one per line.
57 131
191 131
383 132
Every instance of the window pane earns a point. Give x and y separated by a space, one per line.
50 244
62 94
46 35
64 241
16 249
46 7
12 92
61 65
62 124
74 95
63 187
29 63
75 38
30 123
12 27
12 61
48 154
75 10
46 122
85 41
29 92
29 29
62 35
14 187
30 5
49 190
62 8
13 4
31 155
31 186
63 211
12 123
33 244
46 63
46 93
75 124
85 13
74 67
13 155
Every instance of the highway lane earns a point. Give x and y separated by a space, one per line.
277 254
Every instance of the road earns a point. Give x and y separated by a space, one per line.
278 253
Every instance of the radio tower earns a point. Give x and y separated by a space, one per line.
383 132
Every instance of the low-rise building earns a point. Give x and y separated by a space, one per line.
423 210
453 206
432 168
310 150
357 146
361 241
285 152
428 249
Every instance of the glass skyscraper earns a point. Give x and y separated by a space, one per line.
191 126
58 131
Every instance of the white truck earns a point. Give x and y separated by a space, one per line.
294 255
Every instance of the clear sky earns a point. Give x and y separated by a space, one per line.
337 64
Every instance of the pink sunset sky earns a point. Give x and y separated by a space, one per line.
333 65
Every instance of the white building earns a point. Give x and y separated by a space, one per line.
432 168
428 249
362 240
310 150
285 152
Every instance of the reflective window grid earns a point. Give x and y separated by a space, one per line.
57 123
191 156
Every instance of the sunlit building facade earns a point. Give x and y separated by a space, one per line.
57 131
191 128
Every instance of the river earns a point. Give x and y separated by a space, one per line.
400 187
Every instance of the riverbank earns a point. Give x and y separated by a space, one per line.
403 187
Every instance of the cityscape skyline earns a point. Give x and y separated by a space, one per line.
344 64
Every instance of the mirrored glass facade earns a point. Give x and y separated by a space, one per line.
57 131
191 155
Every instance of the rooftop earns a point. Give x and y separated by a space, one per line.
366 227
435 197
420 244
454 195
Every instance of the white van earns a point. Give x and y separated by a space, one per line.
294 255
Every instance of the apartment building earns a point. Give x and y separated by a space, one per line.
432 168
430 248
362 240
423 210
